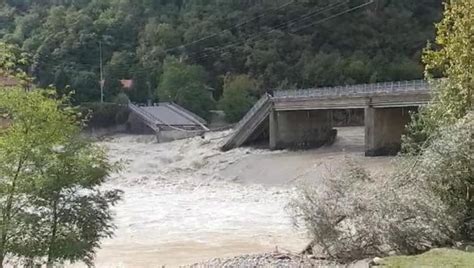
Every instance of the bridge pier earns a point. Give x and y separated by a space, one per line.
384 128
300 129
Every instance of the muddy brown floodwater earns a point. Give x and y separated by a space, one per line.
187 201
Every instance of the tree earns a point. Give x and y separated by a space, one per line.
72 215
51 209
237 99
453 59
35 129
13 63
185 85
262 39
49 204
141 88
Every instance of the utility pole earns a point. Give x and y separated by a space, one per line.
101 74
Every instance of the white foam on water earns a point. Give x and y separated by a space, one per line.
176 197
186 201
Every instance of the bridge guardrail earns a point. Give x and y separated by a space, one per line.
150 121
264 99
350 90
239 127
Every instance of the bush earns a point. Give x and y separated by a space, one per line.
447 166
338 216
104 114
237 100
186 85
121 99
428 202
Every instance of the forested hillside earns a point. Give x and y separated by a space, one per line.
199 44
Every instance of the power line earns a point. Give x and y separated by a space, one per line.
228 29
311 14
335 15
304 17
298 29
299 19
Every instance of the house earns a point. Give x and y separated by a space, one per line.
127 84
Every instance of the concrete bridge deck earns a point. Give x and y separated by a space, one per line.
303 118
169 121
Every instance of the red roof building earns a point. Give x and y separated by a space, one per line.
127 84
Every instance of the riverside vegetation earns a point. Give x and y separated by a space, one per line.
428 202
233 50
51 209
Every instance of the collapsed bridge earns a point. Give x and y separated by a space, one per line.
303 118
168 121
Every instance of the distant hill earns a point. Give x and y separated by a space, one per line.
280 43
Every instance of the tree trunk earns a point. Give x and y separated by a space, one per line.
54 229
7 214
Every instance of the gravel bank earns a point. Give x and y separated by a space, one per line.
267 260
279 260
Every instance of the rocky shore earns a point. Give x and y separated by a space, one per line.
277 259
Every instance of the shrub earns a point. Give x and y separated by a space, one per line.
447 166
337 215
427 202
186 85
105 114
237 99
121 99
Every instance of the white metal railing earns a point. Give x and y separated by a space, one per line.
355 90
260 103
150 120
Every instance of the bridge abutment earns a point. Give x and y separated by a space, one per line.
300 129
384 128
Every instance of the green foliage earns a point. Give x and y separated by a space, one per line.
12 64
381 43
447 164
121 99
36 128
428 202
185 85
50 207
237 99
66 196
453 59
101 115
436 258
141 90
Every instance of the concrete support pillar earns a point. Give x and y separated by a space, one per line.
384 128
300 129
273 130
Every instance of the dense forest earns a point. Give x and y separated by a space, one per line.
190 50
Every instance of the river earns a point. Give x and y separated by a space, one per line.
186 201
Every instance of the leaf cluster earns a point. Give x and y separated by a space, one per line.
51 206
